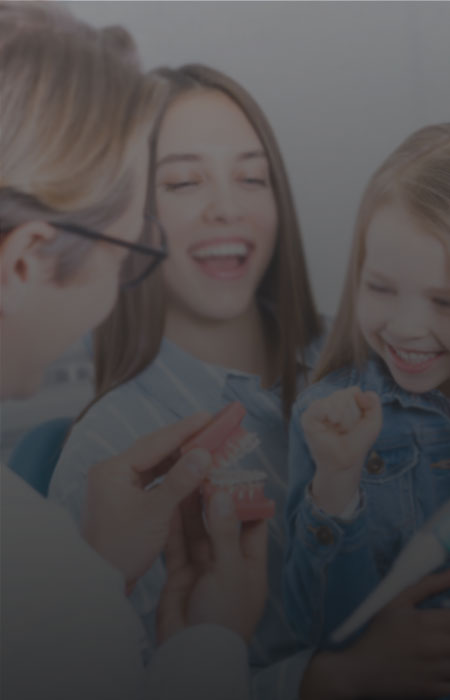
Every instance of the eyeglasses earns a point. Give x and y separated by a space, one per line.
141 259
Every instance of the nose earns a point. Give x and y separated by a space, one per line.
408 322
223 204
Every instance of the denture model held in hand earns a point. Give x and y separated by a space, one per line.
427 550
227 442
246 488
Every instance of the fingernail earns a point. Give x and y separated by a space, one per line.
222 503
198 461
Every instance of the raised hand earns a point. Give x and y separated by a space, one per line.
340 430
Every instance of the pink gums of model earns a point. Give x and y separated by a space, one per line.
227 441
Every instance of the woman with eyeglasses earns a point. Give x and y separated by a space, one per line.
76 115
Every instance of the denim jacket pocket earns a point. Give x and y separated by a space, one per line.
388 484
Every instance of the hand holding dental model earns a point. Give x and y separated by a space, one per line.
340 430
216 576
128 525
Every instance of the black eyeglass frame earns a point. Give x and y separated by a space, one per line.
158 254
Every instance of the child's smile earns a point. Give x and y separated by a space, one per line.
404 300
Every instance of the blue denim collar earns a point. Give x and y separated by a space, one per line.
377 377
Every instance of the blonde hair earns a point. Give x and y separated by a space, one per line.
127 342
417 176
75 107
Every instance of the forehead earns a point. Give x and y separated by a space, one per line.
206 123
399 246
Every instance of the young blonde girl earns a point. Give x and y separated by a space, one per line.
370 440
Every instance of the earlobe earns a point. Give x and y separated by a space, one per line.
20 264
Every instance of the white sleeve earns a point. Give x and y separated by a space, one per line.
205 662
68 630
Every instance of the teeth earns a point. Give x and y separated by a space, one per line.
415 358
236 451
222 250
232 477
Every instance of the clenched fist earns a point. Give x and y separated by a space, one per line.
340 430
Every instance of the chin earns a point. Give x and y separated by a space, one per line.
415 385
227 312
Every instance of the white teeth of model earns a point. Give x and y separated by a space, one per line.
222 250
415 357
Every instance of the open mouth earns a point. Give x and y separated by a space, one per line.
227 260
413 361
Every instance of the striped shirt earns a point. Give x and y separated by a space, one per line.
174 386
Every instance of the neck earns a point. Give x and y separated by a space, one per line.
240 343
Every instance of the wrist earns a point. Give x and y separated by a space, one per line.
330 676
334 493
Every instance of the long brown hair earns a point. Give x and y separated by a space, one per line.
417 175
130 338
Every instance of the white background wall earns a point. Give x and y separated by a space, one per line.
341 82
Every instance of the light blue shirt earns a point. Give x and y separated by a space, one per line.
176 385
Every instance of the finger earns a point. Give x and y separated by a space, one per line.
345 412
196 537
175 551
368 401
254 541
149 450
425 588
183 479
224 529
316 413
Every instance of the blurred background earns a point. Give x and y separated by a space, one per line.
342 83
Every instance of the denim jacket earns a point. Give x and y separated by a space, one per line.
332 564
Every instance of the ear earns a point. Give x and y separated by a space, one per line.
21 266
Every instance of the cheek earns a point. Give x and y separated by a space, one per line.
443 333
176 213
369 314
263 218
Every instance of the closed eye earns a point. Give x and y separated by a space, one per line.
442 303
379 288
184 184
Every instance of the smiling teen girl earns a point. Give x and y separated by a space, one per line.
237 320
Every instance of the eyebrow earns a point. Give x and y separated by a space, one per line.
430 290
195 157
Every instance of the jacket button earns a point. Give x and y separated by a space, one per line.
375 463
324 535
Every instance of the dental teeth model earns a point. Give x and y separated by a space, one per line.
227 442
247 490
425 552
